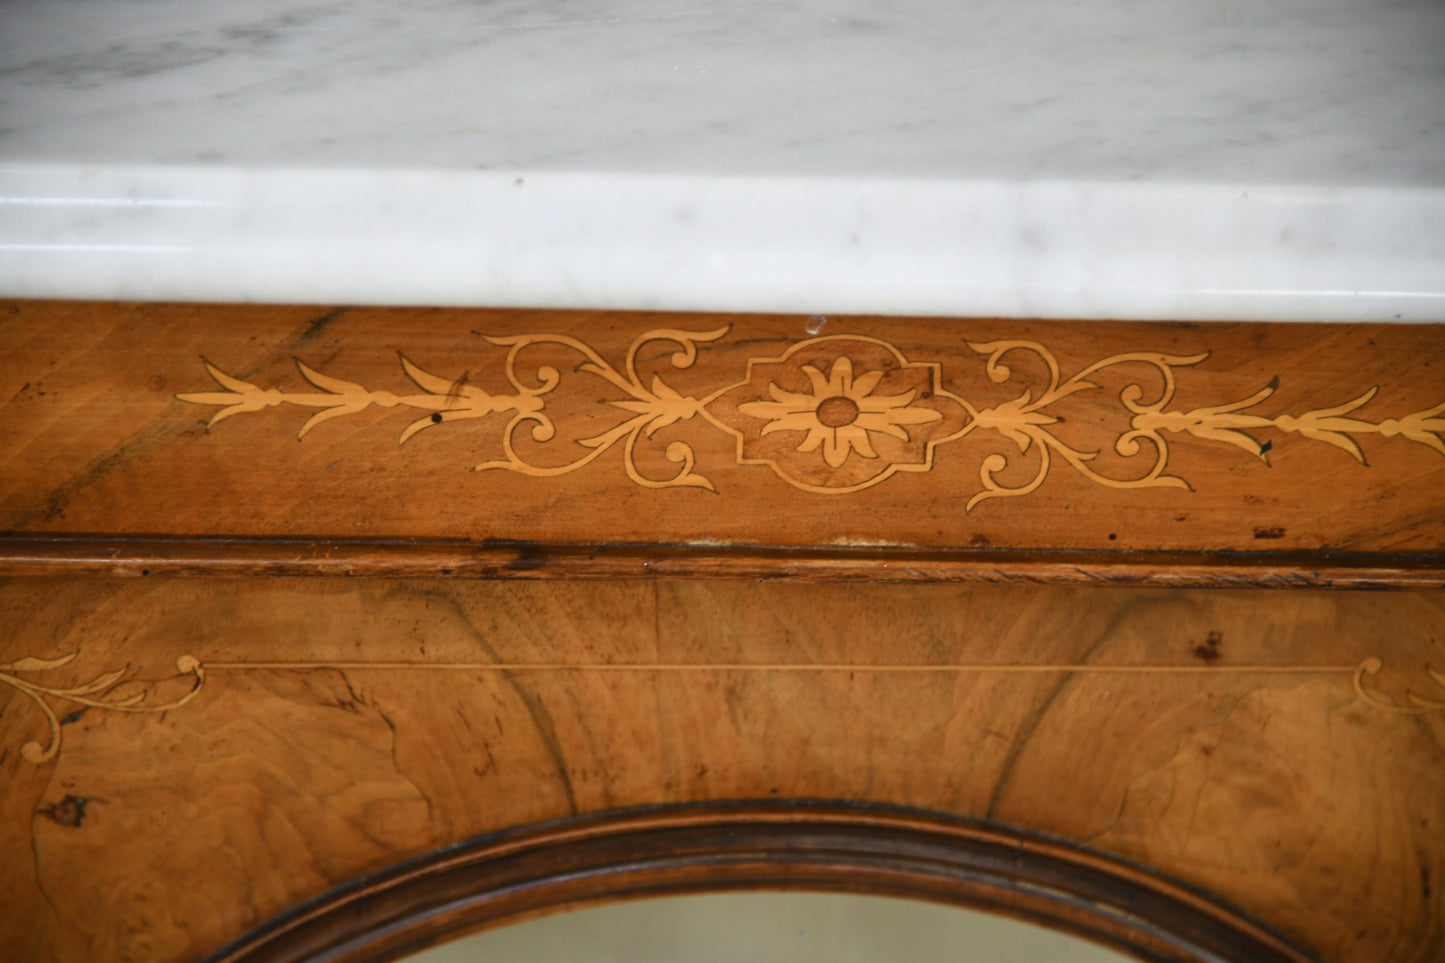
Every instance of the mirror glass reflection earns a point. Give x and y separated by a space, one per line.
770 928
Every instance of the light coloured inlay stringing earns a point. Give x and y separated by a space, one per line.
833 414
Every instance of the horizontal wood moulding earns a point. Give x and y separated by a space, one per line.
309 440
360 558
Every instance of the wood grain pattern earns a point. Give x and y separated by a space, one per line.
184 758
346 725
1044 450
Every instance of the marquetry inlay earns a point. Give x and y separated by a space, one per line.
113 691
835 414
109 691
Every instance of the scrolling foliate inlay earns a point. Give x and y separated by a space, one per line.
832 414
108 691
111 691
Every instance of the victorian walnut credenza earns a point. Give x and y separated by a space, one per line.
460 462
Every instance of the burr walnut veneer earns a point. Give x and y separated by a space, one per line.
481 614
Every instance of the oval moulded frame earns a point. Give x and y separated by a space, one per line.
548 867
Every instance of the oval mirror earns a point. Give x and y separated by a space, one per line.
770 928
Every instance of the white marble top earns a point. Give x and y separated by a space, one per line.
1272 159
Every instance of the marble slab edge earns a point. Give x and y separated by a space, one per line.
1054 249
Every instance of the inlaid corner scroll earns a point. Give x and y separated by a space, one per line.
832 415
1413 704
104 692
113 692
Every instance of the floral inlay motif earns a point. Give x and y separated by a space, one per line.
832 415
839 414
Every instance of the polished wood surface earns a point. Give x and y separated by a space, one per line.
406 442
266 740
729 558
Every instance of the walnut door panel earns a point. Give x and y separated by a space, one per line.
184 759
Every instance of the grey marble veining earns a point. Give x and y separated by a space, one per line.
1202 159
1287 91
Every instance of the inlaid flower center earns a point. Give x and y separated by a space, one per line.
837 411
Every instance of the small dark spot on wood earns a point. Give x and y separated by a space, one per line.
1273 383
1275 532
318 325
529 558
1181 518
1206 751
24 388
446 571
1265 447
455 391
436 417
145 571
157 383
773 791
1425 882
1209 652
979 541
70 811
73 717
1112 536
